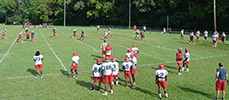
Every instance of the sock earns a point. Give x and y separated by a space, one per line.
187 68
116 82
133 77
160 95
76 72
166 94
99 89
112 82
72 72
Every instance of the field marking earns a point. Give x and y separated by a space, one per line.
142 53
53 51
8 49
90 70
82 42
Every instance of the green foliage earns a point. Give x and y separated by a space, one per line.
144 5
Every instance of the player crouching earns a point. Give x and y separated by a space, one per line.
75 61
96 71
115 71
161 78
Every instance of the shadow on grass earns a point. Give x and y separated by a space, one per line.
195 91
170 67
84 84
97 56
146 91
32 71
65 73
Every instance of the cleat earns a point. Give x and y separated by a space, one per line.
179 74
74 77
41 76
35 76
167 96
187 70
104 94
134 83
127 87
98 91
133 87
91 90
111 91
159 97
117 84
182 69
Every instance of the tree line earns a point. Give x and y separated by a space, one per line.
188 14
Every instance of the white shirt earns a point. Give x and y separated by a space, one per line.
128 55
205 33
223 35
75 59
187 55
191 34
197 33
74 30
161 73
127 66
38 59
164 30
213 37
97 70
115 68
105 33
135 49
144 28
182 32
107 68
97 26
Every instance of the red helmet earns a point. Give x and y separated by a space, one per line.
82 30
191 32
141 31
108 44
20 31
128 50
107 59
223 32
126 59
180 49
134 45
4 29
99 60
186 49
105 31
161 66
74 28
74 54
113 59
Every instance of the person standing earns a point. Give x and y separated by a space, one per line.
109 51
221 80
179 58
75 61
107 71
223 38
135 28
115 71
182 34
161 78
102 46
38 64
186 59
4 33
97 73
191 38
198 35
127 71
205 35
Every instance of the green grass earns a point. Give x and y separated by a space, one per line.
17 68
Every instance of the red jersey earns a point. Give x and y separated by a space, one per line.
179 55
108 50
27 33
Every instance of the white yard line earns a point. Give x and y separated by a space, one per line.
82 42
8 50
53 51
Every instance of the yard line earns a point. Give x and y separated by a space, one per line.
53 51
82 43
8 50
143 53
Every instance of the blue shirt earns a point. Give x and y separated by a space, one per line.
222 74
32 34
82 32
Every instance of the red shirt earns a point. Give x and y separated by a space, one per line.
179 55
27 33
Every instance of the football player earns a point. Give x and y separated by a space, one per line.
38 64
19 37
27 35
74 33
134 65
223 38
102 46
115 71
182 34
105 35
75 61
127 71
179 58
137 34
109 31
214 40
4 33
107 70
109 51
134 28
142 35
54 32
97 73
198 35
135 49
205 35
32 35
129 54
82 35
191 38
161 78
186 59
144 28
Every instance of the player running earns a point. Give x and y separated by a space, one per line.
103 46
191 38
109 31
32 35
105 35
19 37
127 71
109 51
205 35
82 35
142 35
186 59
161 78
198 35
75 61
97 74
134 65
137 34
179 58
223 38
214 44
221 80
38 64
54 32
182 34
115 71
74 33
107 71
4 33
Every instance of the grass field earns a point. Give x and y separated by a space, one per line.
17 66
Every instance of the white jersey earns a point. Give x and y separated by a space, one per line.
115 68
128 55
127 66
187 55
135 49
191 34
144 28
164 30
38 59
105 33
98 26
205 33
74 30
97 70
161 73
197 33
223 35
213 37
217 35
107 68
134 62
182 32
75 59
